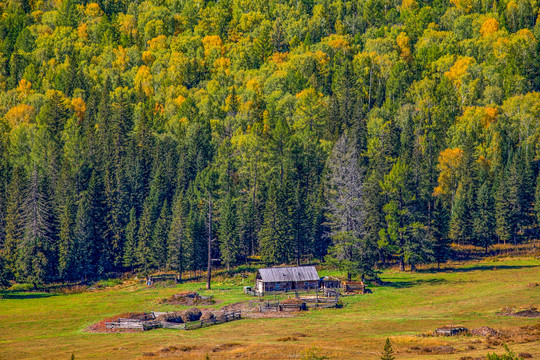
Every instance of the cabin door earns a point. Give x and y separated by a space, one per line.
293 285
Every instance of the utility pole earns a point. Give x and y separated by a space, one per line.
209 270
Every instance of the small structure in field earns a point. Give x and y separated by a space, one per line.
152 279
353 286
451 330
330 282
287 279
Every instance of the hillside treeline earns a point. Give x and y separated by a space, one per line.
357 132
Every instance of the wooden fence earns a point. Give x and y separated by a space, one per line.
134 324
305 305
235 315
144 325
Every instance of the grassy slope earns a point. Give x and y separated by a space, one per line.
51 327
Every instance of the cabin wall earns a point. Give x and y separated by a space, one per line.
286 285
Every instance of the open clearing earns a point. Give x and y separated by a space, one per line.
50 326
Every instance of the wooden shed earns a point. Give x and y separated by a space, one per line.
330 282
287 279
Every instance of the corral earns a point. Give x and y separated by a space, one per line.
185 320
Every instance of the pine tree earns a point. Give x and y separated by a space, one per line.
269 234
37 249
502 211
130 246
513 198
177 234
537 202
65 249
197 239
439 229
484 221
350 251
388 352
14 222
301 223
159 238
460 221
144 247
3 274
249 228
85 238
400 224
229 242
285 217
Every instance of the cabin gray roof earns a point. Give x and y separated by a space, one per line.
296 273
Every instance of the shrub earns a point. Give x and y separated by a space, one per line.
108 283
314 354
508 356
21 287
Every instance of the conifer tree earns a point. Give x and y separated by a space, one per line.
301 223
177 234
159 238
249 228
502 211
144 235
85 238
388 352
537 201
36 251
439 229
350 250
14 222
130 246
484 221
229 242
460 221
269 234
513 198
65 249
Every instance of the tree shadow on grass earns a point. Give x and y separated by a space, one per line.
399 284
17 295
476 268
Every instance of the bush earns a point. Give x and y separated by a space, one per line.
314 354
508 356
21 287
108 283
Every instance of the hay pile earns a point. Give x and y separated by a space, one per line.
188 298
181 317
484 331
529 312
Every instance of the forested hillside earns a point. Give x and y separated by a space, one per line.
362 131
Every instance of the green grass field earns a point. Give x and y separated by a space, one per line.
47 326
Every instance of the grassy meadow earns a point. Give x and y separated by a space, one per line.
52 326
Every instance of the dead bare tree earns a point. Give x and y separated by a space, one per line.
350 251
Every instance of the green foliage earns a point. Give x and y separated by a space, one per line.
508 356
314 353
388 352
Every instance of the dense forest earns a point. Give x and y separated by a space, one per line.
355 132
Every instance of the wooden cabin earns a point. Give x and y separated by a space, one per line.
286 279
